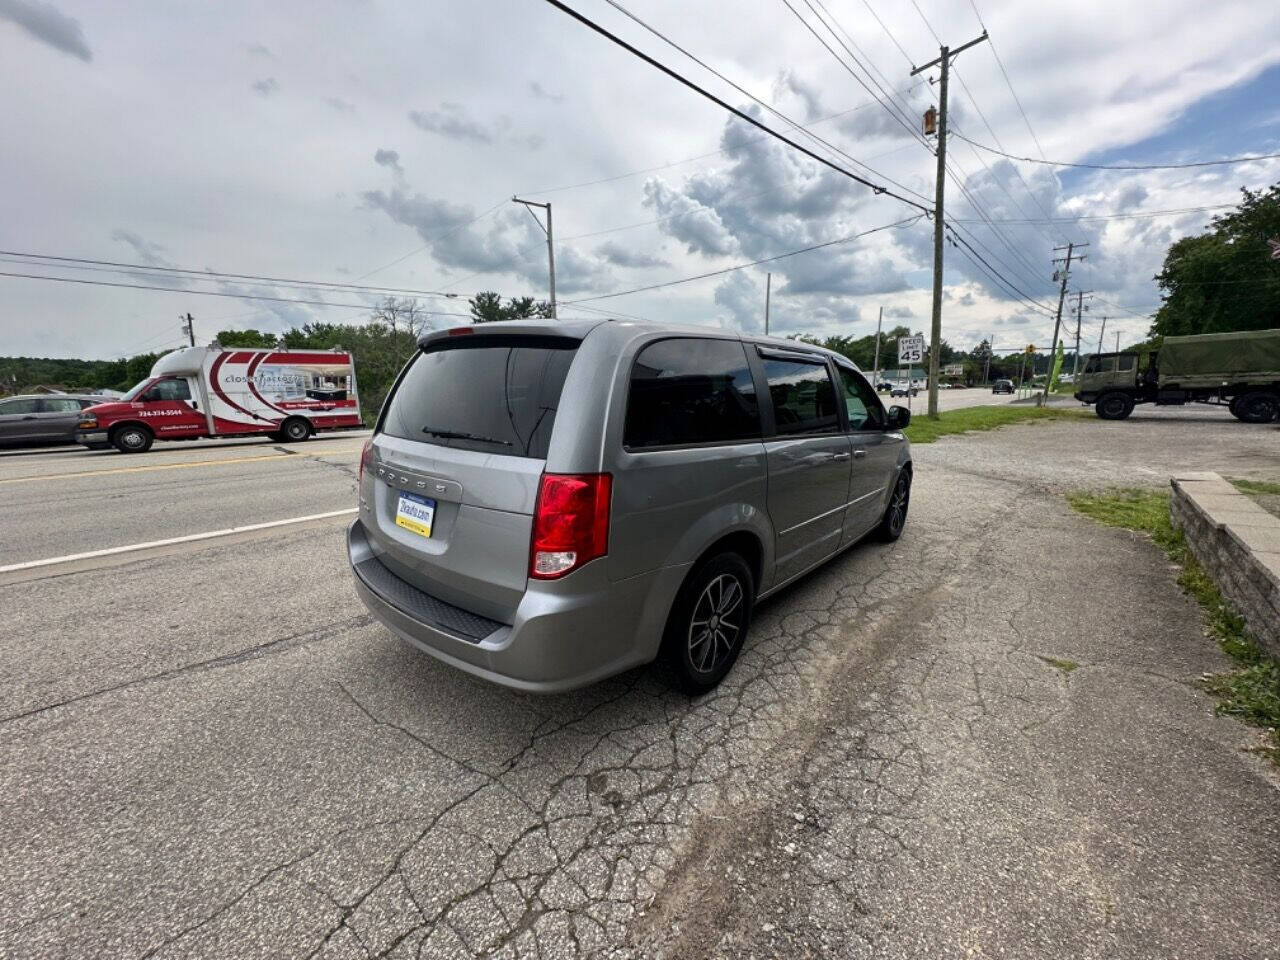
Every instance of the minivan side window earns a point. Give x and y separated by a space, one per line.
804 399
690 390
863 406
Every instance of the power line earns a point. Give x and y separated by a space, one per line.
1114 166
743 266
116 266
893 111
799 128
1008 82
212 293
1140 215
432 242
742 115
713 153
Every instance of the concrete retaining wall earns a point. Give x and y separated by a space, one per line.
1238 543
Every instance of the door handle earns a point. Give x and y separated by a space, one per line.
859 453
840 456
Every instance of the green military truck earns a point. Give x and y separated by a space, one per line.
1240 371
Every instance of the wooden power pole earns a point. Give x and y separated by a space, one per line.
946 55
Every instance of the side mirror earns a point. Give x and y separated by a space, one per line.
899 417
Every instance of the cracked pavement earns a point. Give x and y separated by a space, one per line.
984 740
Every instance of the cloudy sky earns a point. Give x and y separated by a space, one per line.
379 143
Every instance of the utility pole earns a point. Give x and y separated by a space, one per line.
188 327
1057 323
1102 334
1117 341
768 284
1075 370
875 376
991 348
946 54
551 252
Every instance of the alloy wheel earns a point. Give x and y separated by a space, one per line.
716 624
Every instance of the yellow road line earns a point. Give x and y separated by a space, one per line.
176 466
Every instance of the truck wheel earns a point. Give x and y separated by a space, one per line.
295 430
1257 407
1114 406
132 438
708 622
1233 407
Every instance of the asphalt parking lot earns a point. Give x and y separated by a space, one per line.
209 749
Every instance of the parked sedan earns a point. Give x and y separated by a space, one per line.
42 418
901 390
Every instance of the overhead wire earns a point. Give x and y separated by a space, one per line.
1005 73
753 263
1013 249
210 293
1120 166
188 273
742 115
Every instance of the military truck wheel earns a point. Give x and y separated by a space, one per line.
1233 408
1114 406
1260 406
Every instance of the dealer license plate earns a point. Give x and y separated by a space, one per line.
415 513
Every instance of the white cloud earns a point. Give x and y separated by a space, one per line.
196 171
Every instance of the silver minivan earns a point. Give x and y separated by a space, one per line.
546 504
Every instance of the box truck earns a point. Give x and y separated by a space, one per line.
1240 371
217 392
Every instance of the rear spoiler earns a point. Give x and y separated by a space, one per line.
509 332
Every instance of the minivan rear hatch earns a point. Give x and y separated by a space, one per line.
457 461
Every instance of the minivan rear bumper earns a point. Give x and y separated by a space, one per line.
565 634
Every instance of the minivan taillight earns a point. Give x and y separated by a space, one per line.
570 523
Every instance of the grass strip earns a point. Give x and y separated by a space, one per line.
1252 690
971 419
1255 486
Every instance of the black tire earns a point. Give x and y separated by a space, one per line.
294 430
1261 406
1114 406
1231 407
132 438
894 520
718 598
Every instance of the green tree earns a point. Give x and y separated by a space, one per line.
487 307
252 339
1225 279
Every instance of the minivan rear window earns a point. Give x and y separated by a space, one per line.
494 394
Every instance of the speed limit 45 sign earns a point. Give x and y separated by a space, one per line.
911 350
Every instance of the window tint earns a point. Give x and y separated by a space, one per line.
861 402
59 405
1125 361
499 397
19 406
691 391
804 400
169 390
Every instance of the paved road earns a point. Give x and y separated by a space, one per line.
210 750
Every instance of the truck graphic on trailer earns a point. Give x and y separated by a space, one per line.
216 392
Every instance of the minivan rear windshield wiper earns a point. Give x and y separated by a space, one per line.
459 435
